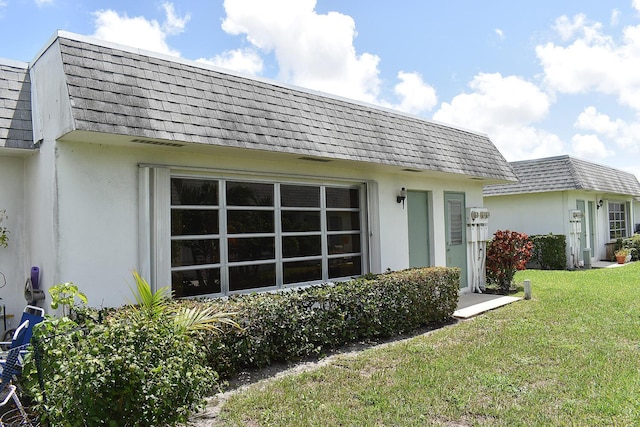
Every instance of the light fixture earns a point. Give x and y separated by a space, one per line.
600 203
402 196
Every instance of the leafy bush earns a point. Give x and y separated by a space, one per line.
508 252
142 366
550 251
633 245
286 326
127 371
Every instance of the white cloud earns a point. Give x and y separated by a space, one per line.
174 24
417 96
139 31
39 3
499 33
636 5
505 108
316 51
615 17
312 50
589 147
593 61
244 60
621 133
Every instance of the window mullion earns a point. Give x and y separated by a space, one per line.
224 244
277 213
323 231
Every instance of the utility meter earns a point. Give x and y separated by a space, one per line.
477 216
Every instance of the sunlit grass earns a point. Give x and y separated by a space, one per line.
569 356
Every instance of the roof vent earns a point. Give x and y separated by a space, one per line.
153 142
315 159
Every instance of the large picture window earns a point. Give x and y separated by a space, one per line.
229 236
617 220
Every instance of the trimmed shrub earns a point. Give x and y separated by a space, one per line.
633 245
508 252
143 367
550 251
288 326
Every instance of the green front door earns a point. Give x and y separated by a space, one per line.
580 205
418 212
592 229
455 231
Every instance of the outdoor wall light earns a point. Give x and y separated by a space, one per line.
402 196
600 203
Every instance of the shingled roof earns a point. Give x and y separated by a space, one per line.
143 95
563 173
15 105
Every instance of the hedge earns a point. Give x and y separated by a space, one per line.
287 326
550 251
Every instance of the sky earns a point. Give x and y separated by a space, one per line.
540 78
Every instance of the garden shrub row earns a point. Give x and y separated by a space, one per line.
288 326
144 365
550 251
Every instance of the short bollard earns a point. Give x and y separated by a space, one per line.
527 289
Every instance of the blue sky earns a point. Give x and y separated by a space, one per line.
540 78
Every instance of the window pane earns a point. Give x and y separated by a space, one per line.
300 221
298 246
194 192
195 282
194 252
343 197
338 221
249 194
196 222
252 276
302 271
344 243
344 267
456 228
251 249
239 222
301 196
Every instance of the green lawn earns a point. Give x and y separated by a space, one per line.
569 356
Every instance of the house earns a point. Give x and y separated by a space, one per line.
591 204
214 183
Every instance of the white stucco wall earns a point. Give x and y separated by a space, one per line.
12 258
97 206
543 213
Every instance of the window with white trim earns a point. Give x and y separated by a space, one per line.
617 220
230 236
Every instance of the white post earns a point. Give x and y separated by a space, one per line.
527 289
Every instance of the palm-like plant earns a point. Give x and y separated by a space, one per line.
187 319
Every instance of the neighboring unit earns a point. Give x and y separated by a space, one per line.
216 183
591 204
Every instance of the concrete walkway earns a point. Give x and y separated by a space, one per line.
471 304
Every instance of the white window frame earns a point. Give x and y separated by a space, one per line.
155 184
621 224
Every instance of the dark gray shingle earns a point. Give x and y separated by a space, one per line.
564 173
254 114
15 106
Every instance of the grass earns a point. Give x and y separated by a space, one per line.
568 356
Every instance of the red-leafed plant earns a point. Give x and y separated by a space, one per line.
508 252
